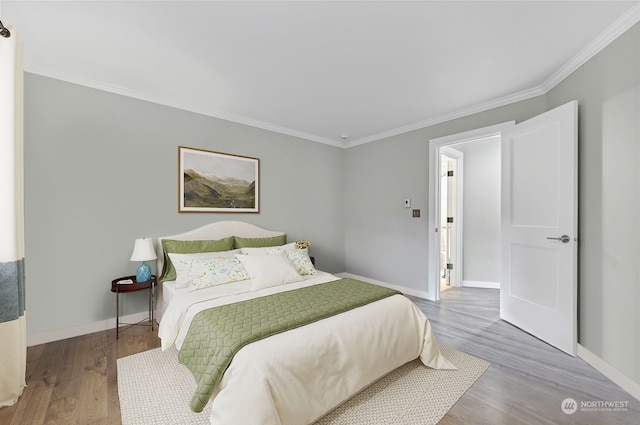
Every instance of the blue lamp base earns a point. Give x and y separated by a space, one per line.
143 273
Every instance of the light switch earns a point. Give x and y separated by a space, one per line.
415 213
407 203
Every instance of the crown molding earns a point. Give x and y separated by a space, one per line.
624 23
459 113
110 88
619 27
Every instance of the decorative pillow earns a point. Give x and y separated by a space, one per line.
189 247
301 261
203 272
268 270
260 242
298 257
182 263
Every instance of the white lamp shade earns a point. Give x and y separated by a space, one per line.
143 250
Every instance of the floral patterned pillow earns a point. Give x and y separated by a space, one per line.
299 258
296 252
198 273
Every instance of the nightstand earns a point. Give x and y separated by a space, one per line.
127 284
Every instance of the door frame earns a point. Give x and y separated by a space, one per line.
459 157
433 261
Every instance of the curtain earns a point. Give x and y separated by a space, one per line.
13 339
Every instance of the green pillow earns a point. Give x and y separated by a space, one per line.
189 247
259 242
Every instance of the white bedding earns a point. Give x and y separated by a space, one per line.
168 291
186 304
295 377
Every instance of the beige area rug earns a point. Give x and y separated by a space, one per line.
412 394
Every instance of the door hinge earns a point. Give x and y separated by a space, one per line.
449 266
450 173
449 219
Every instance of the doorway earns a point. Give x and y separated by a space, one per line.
470 199
450 207
538 222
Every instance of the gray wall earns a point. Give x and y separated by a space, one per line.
608 91
383 242
101 170
481 210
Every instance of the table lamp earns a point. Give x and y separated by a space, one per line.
143 251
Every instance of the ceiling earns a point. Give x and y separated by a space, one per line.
336 72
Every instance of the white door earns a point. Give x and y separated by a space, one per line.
539 227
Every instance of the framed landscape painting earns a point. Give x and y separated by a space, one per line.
217 182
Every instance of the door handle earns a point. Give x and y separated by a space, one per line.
563 239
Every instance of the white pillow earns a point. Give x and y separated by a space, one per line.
267 250
298 257
269 270
201 270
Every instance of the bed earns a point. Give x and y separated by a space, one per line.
291 377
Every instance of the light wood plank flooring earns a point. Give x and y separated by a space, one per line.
74 381
528 379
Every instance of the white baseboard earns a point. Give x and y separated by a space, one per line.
480 284
104 325
618 378
89 328
403 289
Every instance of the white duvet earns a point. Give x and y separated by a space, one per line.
295 377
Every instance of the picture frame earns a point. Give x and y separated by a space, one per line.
219 182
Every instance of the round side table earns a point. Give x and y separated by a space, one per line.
127 284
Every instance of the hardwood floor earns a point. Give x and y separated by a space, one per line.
74 381
528 379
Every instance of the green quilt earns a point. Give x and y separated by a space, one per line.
216 334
